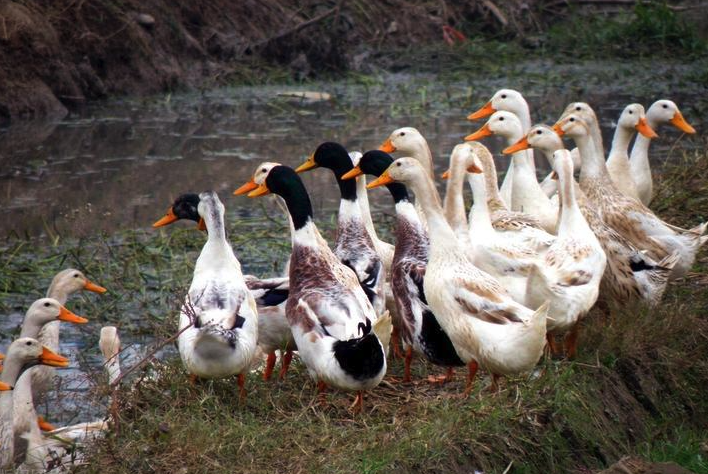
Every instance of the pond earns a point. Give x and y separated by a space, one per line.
118 165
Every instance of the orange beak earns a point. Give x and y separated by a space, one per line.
558 128
44 425
473 168
201 225
246 188
261 190
384 179
94 287
387 146
52 359
2 357
481 133
353 173
169 218
554 175
4 387
679 122
644 128
308 165
445 175
69 317
522 144
485 111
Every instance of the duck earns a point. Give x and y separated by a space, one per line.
419 328
353 244
270 294
627 216
572 268
22 354
332 320
40 313
630 275
505 255
64 284
527 195
218 321
618 159
512 101
486 326
663 111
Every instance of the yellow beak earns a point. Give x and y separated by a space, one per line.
308 165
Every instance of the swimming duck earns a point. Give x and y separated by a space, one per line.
527 195
572 268
22 354
270 294
330 315
629 217
353 244
662 111
419 329
219 319
486 326
630 275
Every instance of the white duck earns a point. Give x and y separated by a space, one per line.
40 313
332 320
631 276
486 326
269 293
618 160
219 319
573 266
629 217
506 255
22 354
661 112
512 101
64 284
527 195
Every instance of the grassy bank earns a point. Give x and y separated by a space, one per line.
638 386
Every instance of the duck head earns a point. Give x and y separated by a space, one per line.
509 100
185 207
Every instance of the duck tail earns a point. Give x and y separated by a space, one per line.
362 357
539 318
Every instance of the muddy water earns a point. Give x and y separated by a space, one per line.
118 165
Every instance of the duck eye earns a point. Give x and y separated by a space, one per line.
538 132
630 112
264 170
28 343
402 133
398 164
578 108
503 96
76 275
501 119
572 119
665 106
46 305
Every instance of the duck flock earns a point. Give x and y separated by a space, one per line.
493 288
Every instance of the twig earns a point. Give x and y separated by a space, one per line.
189 311
294 29
496 12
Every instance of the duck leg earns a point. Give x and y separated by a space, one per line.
241 386
321 389
442 379
270 363
358 405
192 379
571 341
472 369
396 343
407 365
287 358
553 347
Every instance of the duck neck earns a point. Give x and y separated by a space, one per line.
494 199
593 162
620 143
363 197
57 292
304 231
421 152
30 327
454 203
571 217
215 227
11 371
428 200
480 220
